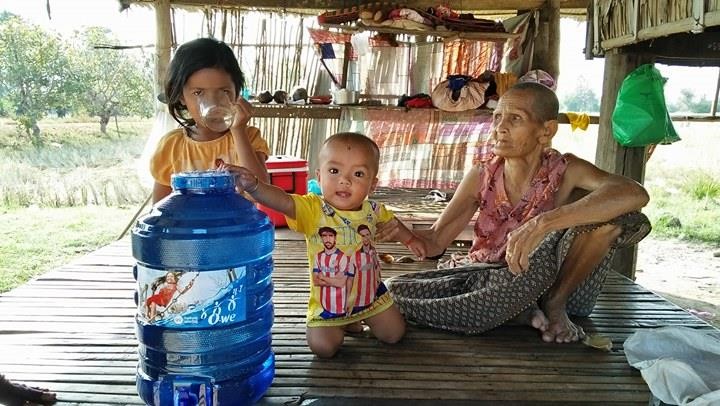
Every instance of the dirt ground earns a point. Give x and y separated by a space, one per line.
687 274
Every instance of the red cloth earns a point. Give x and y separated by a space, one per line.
419 102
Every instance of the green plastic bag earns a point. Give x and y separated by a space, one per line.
641 117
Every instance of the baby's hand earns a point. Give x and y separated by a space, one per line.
388 230
244 178
417 247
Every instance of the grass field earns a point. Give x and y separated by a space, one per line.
35 240
81 189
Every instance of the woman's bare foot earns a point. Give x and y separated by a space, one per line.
533 317
12 394
560 329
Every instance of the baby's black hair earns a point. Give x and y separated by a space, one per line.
189 58
359 139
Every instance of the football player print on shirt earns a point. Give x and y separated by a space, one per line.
333 274
367 270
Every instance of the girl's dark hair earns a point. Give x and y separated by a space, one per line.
189 58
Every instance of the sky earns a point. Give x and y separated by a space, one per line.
136 26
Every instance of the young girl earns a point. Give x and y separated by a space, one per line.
205 68
345 287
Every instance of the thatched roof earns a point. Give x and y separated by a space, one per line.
314 6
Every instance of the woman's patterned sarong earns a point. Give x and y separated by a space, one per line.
475 298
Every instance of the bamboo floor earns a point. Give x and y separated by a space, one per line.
72 330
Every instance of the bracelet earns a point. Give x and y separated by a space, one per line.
257 184
409 240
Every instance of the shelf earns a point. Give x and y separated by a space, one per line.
333 111
445 34
273 110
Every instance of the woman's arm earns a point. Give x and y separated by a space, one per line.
456 215
451 222
608 196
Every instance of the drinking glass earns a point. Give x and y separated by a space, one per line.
216 111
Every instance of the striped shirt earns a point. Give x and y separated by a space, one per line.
367 273
333 299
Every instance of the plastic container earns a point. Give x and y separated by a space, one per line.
204 266
289 174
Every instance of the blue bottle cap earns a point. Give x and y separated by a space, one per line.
203 181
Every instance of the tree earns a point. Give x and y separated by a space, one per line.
35 73
582 98
686 103
115 83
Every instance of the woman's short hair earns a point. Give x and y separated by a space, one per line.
545 105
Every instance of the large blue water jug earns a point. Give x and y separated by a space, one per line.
204 265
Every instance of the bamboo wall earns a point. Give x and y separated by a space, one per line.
617 17
274 54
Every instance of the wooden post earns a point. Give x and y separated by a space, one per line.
346 65
163 43
610 155
547 45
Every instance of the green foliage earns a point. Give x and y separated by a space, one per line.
116 84
686 206
582 99
41 73
702 186
687 103
35 74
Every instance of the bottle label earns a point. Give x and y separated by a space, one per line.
178 298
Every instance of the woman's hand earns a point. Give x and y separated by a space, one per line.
243 113
522 242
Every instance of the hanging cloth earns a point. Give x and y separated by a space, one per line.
333 48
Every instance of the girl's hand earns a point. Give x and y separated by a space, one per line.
243 113
245 180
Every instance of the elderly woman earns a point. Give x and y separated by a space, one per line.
539 252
